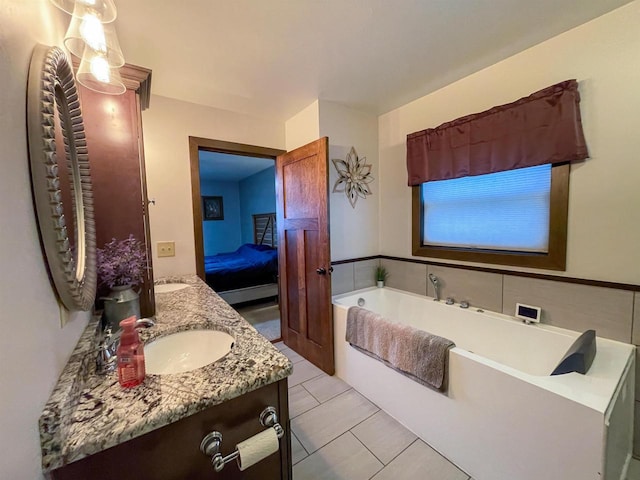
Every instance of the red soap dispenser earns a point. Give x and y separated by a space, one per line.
130 355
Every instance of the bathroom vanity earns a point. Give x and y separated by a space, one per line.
93 428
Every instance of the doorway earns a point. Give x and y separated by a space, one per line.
233 199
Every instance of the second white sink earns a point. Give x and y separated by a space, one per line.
169 287
186 351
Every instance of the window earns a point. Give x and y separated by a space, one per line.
516 217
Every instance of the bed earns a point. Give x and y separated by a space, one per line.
251 271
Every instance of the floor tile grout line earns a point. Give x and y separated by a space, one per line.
310 393
302 413
401 452
312 396
305 388
320 403
305 450
357 438
300 360
439 453
369 450
291 386
333 440
309 409
334 396
364 420
324 445
395 456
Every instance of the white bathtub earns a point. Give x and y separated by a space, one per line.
504 417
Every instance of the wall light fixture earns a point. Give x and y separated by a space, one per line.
92 37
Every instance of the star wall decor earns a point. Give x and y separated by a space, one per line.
354 177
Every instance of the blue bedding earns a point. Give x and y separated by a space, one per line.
249 265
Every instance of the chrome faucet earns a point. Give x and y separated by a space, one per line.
107 360
436 286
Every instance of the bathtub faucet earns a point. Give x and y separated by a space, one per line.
436 286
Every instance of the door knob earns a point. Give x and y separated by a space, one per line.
321 271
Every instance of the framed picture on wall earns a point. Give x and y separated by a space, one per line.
212 208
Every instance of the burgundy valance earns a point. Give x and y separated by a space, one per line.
544 127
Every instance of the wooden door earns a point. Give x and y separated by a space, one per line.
304 257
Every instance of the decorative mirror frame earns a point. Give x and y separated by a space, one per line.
50 85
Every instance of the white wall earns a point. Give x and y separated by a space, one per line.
33 347
303 127
354 231
604 204
167 126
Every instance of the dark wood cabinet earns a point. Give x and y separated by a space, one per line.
173 452
113 127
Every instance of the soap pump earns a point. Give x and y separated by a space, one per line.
130 355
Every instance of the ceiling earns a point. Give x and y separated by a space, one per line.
224 167
273 58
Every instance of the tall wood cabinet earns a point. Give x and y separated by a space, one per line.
113 127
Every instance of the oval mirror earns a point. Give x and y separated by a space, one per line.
60 177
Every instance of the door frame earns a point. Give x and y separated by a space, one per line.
195 145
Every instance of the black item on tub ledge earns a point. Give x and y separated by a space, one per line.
580 355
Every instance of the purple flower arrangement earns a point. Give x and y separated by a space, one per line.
121 262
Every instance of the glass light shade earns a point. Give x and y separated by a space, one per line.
96 74
104 9
88 31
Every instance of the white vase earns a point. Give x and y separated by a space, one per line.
380 283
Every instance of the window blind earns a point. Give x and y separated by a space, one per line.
497 211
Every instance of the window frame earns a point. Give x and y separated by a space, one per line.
554 259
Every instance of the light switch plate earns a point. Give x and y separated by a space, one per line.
166 249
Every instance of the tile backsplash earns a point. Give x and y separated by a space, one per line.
364 273
410 277
608 311
613 313
342 278
636 320
347 277
480 289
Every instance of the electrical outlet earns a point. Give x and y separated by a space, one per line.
166 249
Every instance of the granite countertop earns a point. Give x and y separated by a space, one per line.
88 413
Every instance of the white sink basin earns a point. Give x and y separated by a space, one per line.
185 351
170 287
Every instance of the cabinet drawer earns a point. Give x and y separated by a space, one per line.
173 452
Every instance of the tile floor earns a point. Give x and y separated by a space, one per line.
336 434
264 316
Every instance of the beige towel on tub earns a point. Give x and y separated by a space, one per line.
419 355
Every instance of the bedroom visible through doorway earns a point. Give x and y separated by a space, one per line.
238 233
